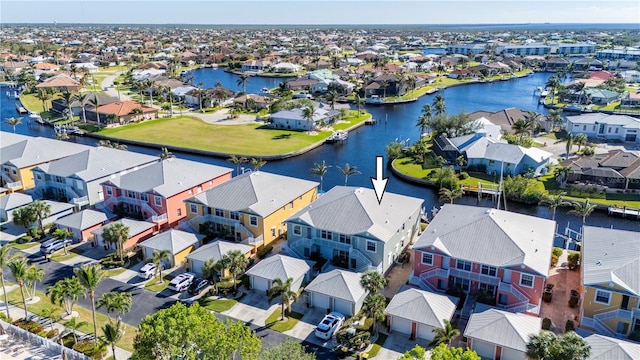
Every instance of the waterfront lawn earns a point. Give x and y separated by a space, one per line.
408 167
31 103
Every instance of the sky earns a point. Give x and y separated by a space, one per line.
213 12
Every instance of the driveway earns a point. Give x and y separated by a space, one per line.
397 344
305 328
254 308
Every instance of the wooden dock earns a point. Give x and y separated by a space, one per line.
624 212
21 109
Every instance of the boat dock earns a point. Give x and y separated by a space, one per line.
370 121
20 108
624 212
340 135
490 190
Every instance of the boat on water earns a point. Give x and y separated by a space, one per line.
544 93
574 107
374 100
264 91
340 135
36 117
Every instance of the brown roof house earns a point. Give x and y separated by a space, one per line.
122 112
61 82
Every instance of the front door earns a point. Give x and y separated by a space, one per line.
503 299
625 302
506 278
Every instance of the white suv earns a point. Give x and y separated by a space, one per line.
147 271
181 282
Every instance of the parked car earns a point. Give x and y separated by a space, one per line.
53 245
329 325
197 286
181 282
147 271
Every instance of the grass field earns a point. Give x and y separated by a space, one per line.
249 139
218 305
154 285
274 323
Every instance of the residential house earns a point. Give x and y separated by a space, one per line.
417 313
393 87
280 267
610 302
615 169
348 226
594 95
336 290
157 192
138 232
122 112
214 251
301 84
78 177
505 118
251 101
82 223
501 335
59 106
294 119
587 64
285 67
60 82
556 64
606 127
178 243
11 202
255 65
505 254
57 210
251 207
630 99
507 159
459 74
607 348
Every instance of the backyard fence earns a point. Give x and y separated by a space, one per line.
30 339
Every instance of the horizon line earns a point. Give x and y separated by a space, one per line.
336 24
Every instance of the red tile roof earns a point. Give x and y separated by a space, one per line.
123 108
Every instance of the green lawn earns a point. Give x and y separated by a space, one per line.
24 246
154 285
31 103
60 256
409 167
115 271
377 345
274 323
249 139
218 305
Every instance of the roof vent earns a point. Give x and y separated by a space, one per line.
433 231
599 262
488 211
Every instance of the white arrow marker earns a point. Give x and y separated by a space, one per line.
379 183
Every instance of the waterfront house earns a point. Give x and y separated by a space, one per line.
251 207
630 99
610 302
59 106
294 119
495 334
587 64
417 313
138 232
82 223
285 67
255 65
60 82
178 243
300 84
78 178
214 251
608 348
157 192
616 169
505 118
556 64
605 127
502 253
280 267
393 86
122 112
251 101
349 227
507 159
11 202
336 290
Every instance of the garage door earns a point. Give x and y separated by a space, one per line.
196 266
401 325
320 301
259 284
342 306
483 348
425 332
511 354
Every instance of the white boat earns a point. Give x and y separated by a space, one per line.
339 135
374 99
264 91
544 93
36 117
574 107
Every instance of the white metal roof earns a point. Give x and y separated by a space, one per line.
422 307
503 328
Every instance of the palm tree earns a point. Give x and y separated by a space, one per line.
116 233
569 144
555 116
83 99
158 257
243 79
347 171
257 163
149 85
561 174
41 210
96 103
571 346
373 281
5 260
13 121
44 95
450 194
580 139
539 345
73 324
237 263
423 124
210 269
384 84
331 97
112 334
115 301
19 269
68 98
237 161
439 105
582 209
579 88
444 335
319 169
554 84
522 127
283 290
66 292
90 276
374 307
34 275
63 234
308 112
48 314
169 95
553 202
358 101
166 154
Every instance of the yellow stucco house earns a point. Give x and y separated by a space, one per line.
250 208
611 278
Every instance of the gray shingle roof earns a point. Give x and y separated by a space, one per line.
606 348
352 210
259 192
340 284
33 151
280 267
422 307
82 220
611 256
217 249
172 240
170 176
489 236
503 328
135 226
14 201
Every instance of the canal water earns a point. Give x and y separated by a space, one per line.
395 122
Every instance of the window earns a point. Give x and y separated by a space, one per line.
526 280
234 215
609 131
193 208
144 197
617 130
253 221
219 212
584 127
297 230
463 265
491 162
273 231
326 234
109 191
291 205
38 177
131 194
157 200
603 297
345 239
179 212
427 259
199 189
488 270
371 246
491 289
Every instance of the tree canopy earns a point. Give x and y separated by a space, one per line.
287 350
443 352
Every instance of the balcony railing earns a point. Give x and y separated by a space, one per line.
158 219
80 200
187 226
251 241
615 314
485 279
222 220
603 329
361 260
15 184
437 272
513 289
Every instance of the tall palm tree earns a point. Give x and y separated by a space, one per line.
73 324
384 84
166 154
237 161
169 95
373 281
237 263
5 260
319 169
149 85
116 233
66 293
423 124
374 306
308 112
444 335
115 302
331 97
522 127
580 140
63 234
44 95
34 274
243 79
257 163
347 171
553 83
582 209
158 258
553 202
41 210
13 121
210 269
48 314
450 194
68 98
555 116
579 88
569 144
283 290
19 269
561 174
90 276
358 101
112 334
96 104
439 105
83 99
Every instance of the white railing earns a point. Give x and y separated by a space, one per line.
516 308
426 285
360 259
224 221
511 288
606 310
297 247
616 314
187 226
437 272
603 329
47 344
257 241
158 219
485 279
331 244
80 200
14 184
131 201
